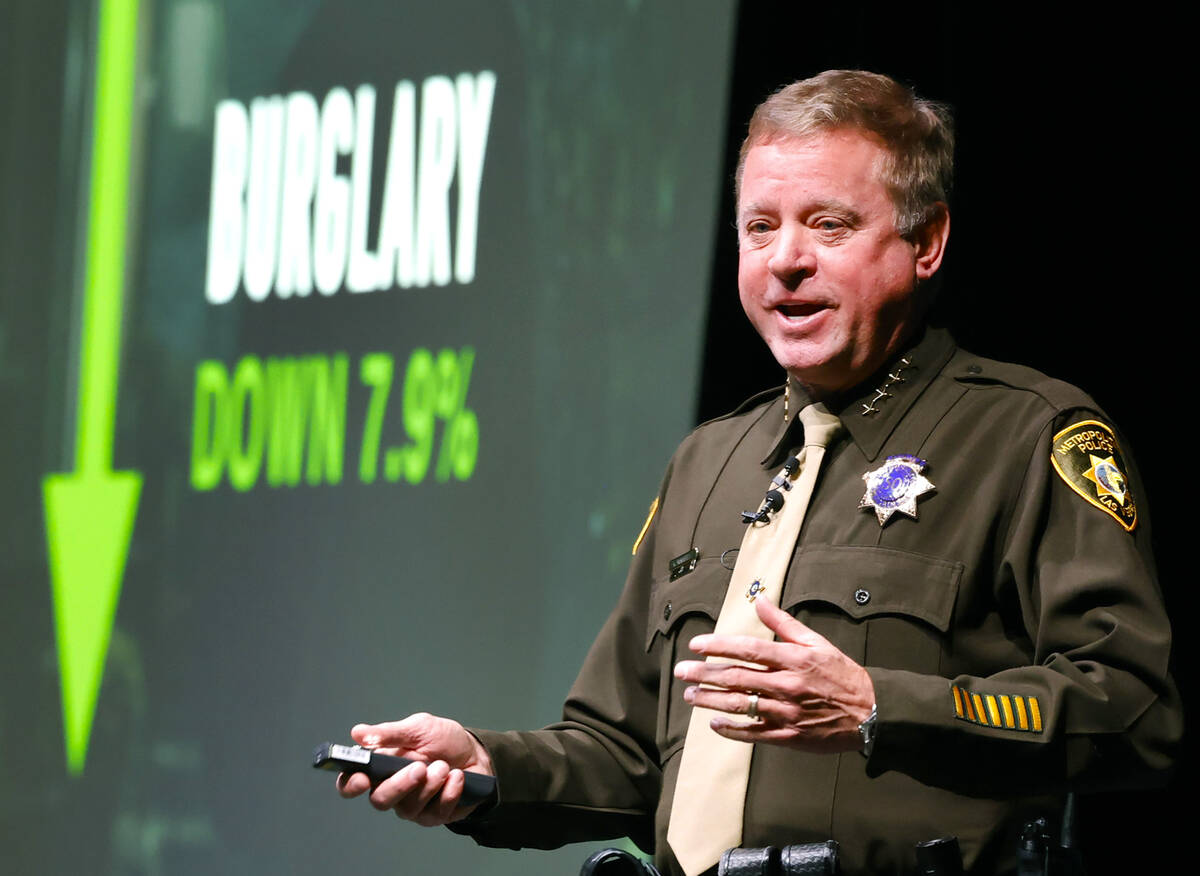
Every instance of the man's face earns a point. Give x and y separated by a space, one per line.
823 274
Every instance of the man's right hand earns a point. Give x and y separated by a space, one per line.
443 749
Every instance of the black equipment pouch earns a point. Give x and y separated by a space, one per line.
810 859
616 862
939 857
802 859
1040 853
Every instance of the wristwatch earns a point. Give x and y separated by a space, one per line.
867 731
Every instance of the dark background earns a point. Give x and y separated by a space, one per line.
1064 254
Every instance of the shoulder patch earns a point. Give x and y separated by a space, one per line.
637 542
1086 455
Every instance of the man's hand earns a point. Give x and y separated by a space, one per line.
810 695
443 748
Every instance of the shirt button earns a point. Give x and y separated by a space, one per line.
974 369
667 611
862 597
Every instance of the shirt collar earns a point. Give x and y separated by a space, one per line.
871 410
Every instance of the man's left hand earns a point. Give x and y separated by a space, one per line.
810 695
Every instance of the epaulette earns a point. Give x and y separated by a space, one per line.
971 369
1085 450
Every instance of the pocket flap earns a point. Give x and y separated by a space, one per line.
866 581
701 590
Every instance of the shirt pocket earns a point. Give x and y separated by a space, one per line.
880 606
679 610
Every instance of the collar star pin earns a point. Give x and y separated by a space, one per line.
895 486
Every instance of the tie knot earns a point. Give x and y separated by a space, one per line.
820 426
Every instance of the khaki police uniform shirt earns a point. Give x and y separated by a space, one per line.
1013 631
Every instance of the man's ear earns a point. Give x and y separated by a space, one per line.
929 241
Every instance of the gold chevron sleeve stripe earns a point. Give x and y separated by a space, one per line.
645 526
993 710
1005 711
1008 712
980 714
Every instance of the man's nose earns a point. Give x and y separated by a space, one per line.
792 257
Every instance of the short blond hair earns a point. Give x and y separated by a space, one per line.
917 134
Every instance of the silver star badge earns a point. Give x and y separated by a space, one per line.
895 486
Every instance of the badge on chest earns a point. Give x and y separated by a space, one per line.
895 486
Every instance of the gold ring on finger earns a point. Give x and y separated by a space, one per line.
752 709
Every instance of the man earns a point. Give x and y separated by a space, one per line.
969 601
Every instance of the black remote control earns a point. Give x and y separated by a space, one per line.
356 759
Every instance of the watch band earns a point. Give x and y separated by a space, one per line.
867 731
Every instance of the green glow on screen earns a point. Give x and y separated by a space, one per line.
90 512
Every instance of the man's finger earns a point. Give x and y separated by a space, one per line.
375 735
441 809
399 786
753 732
777 733
732 676
352 784
414 804
782 685
783 624
772 655
405 734
734 702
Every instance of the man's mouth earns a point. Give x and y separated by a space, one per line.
800 310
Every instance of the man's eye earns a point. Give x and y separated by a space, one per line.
758 227
830 224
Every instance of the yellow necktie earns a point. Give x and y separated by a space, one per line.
710 792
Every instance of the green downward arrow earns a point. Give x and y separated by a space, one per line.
90 512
